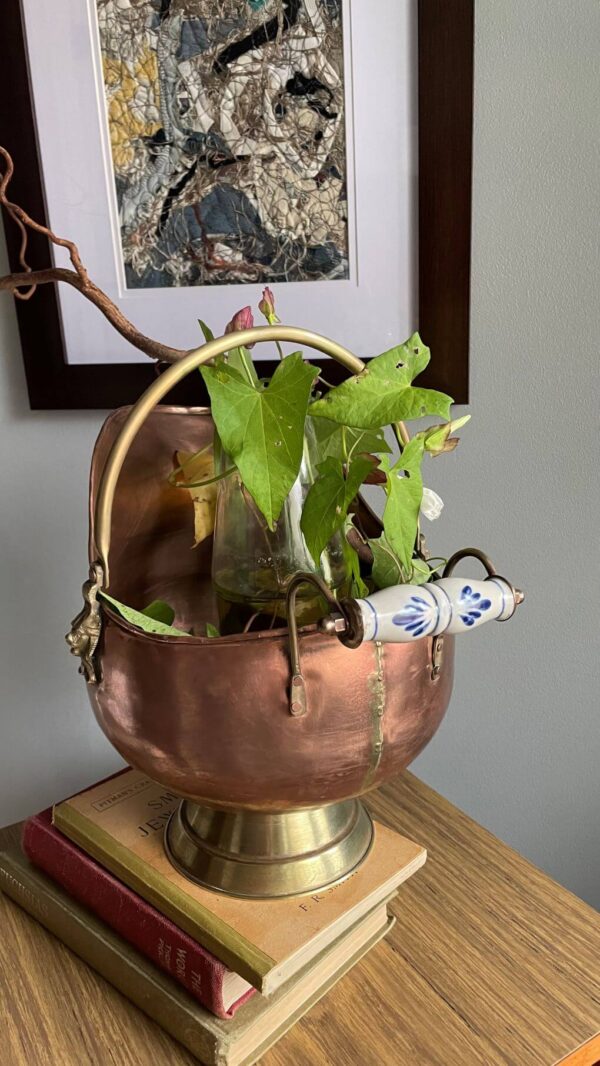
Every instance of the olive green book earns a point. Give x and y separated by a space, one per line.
238 1041
121 823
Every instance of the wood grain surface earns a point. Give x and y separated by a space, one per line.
490 962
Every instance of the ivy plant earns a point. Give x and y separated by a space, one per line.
261 425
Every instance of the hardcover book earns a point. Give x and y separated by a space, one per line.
121 824
239 1041
206 978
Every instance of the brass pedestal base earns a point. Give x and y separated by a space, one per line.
260 855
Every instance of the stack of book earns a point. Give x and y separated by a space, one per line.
226 977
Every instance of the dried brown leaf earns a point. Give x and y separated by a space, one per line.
195 467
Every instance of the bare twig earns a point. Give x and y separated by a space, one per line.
154 349
23 285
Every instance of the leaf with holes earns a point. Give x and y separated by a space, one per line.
326 505
383 392
330 440
263 429
404 494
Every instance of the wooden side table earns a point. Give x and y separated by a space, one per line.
490 962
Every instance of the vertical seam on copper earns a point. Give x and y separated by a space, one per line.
376 683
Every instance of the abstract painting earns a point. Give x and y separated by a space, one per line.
226 122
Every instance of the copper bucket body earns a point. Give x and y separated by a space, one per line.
210 719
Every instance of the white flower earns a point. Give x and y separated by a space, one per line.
431 504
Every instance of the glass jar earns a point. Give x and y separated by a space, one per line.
251 564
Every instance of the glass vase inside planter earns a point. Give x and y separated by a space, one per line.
252 564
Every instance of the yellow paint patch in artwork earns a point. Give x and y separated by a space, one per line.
132 97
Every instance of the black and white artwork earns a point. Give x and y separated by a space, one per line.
227 136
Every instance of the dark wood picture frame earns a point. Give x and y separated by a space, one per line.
445 102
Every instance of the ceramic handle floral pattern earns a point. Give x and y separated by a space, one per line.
403 613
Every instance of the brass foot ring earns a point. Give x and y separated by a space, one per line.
267 855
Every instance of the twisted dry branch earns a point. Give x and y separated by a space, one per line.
23 284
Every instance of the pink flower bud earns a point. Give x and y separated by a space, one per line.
267 306
243 319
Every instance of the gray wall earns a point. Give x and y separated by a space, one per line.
49 742
519 747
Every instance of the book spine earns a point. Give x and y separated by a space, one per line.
172 950
216 935
113 959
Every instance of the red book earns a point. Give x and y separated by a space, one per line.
207 979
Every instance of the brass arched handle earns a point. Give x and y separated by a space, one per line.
476 553
469 553
159 388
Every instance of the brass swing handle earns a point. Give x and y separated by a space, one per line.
86 627
159 388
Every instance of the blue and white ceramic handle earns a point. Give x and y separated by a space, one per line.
403 613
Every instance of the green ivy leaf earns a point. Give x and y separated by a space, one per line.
421 572
383 392
329 437
326 505
211 630
241 360
143 621
404 495
262 429
160 612
207 332
424 570
387 569
352 560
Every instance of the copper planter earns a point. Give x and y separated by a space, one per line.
209 718
270 800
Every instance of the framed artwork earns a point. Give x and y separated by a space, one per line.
198 150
